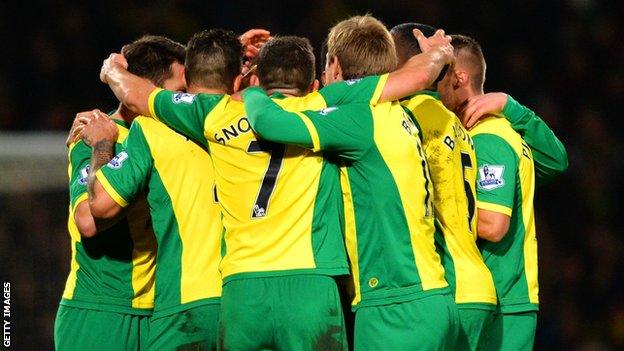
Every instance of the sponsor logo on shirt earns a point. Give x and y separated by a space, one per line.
185 98
491 177
84 173
118 160
353 81
327 110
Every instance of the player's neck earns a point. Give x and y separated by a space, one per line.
124 114
194 89
285 92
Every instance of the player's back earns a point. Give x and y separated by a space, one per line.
281 204
506 184
179 177
114 270
388 205
452 164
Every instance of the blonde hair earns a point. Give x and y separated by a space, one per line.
363 47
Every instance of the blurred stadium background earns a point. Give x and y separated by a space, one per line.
564 58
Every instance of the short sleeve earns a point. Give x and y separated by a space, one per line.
186 113
497 169
126 174
365 90
79 159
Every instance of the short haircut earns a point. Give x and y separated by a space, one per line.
151 57
286 62
363 46
213 59
468 50
405 42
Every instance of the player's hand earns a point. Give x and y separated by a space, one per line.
113 61
480 105
100 127
253 40
439 42
81 119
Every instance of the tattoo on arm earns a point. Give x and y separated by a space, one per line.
101 153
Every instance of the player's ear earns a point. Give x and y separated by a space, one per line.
460 79
254 81
314 86
333 71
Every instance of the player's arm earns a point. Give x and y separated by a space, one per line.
333 129
116 184
131 90
549 154
492 226
420 71
79 159
496 183
100 133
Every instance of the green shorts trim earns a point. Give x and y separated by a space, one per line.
511 331
193 329
430 323
87 329
295 312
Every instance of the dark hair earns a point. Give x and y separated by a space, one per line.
286 62
468 49
405 42
213 59
151 57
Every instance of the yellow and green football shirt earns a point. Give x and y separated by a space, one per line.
387 190
453 168
281 204
179 179
506 184
113 271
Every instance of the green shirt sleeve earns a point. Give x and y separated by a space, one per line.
343 130
186 113
497 168
549 154
79 159
362 90
127 173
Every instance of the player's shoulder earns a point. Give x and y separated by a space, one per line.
79 149
495 132
495 124
311 101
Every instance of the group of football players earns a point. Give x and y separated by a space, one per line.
229 203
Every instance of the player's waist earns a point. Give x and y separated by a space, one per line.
397 295
167 309
109 304
334 269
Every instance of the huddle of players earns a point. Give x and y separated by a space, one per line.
251 235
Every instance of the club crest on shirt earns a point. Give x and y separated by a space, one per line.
183 98
327 110
118 160
84 173
491 177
